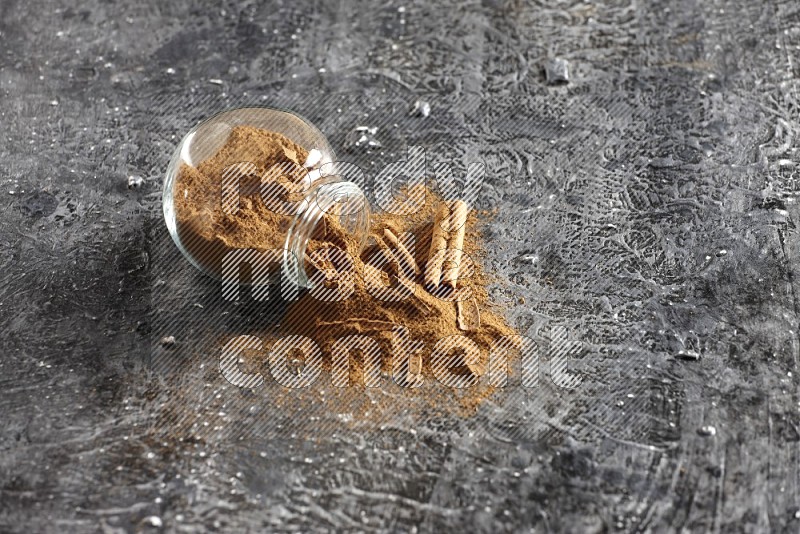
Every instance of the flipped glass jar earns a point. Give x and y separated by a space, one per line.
249 181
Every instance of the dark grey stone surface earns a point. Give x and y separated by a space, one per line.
649 204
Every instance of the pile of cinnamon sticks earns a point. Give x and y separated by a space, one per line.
446 262
445 258
447 243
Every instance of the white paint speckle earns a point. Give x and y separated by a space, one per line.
707 430
153 521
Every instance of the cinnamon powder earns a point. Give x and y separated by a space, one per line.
208 233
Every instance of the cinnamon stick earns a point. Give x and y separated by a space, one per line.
468 315
441 229
458 228
420 304
415 364
402 250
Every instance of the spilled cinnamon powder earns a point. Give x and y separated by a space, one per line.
208 233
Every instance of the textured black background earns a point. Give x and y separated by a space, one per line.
649 204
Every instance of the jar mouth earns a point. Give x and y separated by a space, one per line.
344 200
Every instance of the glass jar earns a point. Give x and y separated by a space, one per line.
254 180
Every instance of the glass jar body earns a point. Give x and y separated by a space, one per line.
251 185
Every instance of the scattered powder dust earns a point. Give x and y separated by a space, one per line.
207 231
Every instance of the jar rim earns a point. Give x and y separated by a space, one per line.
320 199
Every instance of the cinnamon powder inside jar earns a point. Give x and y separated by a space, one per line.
205 229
